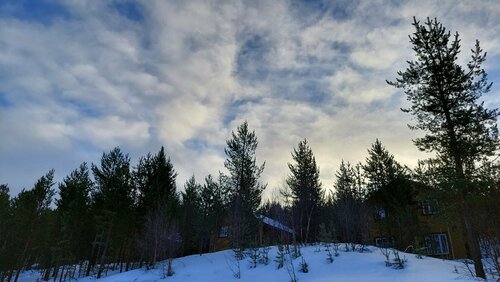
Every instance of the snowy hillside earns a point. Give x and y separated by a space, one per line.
348 266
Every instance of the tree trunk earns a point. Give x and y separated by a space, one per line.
473 243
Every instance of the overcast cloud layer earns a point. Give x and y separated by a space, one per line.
78 78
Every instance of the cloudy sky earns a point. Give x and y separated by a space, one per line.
78 78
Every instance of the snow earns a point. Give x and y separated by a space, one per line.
348 266
275 224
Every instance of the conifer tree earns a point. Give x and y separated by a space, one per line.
445 103
29 211
380 167
113 207
154 178
75 217
212 208
306 190
191 216
350 209
245 189
5 231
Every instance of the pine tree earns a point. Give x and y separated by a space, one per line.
192 219
113 207
158 207
444 99
306 190
5 231
75 217
380 167
154 178
212 209
29 213
350 209
245 189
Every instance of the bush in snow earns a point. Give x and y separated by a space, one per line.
280 256
264 255
329 256
296 251
239 253
290 268
254 255
386 252
399 263
304 267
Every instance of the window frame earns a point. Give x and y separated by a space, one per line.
380 213
437 244
223 231
429 206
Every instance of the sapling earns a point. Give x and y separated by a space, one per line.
296 251
399 263
304 267
329 256
280 256
264 255
254 255
386 252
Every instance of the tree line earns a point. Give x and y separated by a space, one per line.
110 216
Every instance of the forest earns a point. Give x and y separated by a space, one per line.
112 215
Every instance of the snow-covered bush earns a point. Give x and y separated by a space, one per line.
264 255
280 256
304 267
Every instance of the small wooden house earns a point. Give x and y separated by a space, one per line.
405 217
271 232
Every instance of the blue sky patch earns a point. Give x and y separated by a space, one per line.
196 144
40 11
130 10
4 103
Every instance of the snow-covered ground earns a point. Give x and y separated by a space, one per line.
348 266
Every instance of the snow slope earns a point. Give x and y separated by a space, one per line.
348 266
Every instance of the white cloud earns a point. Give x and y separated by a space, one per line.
101 80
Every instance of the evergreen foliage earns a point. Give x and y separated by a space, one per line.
351 211
380 167
444 99
191 217
244 187
75 217
306 191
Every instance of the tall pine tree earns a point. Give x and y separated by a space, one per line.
306 190
244 186
75 217
113 207
444 99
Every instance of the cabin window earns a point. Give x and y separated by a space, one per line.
380 213
224 231
384 242
429 206
437 244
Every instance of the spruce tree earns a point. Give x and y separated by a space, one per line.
154 178
113 207
350 208
74 214
212 208
306 190
445 103
380 167
245 189
29 214
5 231
191 217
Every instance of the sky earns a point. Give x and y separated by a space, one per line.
78 78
